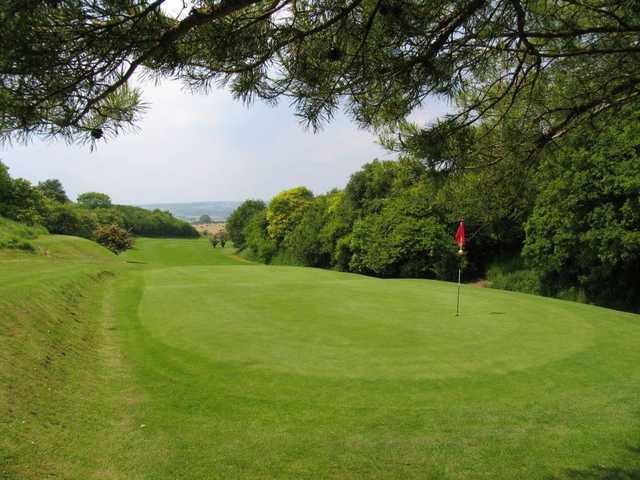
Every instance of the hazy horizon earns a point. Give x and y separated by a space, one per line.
217 210
200 202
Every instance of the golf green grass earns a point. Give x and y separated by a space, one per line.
210 367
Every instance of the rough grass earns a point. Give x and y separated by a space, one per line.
191 363
14 235
512 274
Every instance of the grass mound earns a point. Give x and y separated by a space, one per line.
15 235
74 249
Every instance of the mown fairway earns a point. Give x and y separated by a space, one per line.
233 370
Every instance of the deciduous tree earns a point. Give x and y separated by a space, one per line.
285 210
585 227
239 219
53 190
94 200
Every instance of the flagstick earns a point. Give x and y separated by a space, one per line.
458 304
459 237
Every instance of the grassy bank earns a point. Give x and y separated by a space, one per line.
55 390
16 236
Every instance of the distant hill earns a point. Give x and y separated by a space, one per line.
218 211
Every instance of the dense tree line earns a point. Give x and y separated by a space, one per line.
584 230
568 226
47 204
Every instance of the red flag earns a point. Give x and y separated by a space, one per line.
460 235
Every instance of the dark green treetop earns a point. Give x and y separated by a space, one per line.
53 190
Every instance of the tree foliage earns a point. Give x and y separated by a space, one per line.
69 219
47 205
405 238
285 210
386 222
259 243
305 242
222 238
585 227
53 190
21 201
149 223
66 66
238 220
5 184
114 238
94 200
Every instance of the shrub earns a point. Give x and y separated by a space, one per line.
114 238
512 275
222 238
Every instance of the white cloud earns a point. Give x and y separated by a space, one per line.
203 147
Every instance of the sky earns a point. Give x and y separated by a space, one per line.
197 147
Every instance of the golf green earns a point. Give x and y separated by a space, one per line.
283 372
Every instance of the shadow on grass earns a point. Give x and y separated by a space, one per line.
602 472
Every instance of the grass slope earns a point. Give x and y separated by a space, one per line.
55 387
188 362
14 235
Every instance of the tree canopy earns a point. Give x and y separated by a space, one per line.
239 219
94 200
584 230
66 66
285 210
53 190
